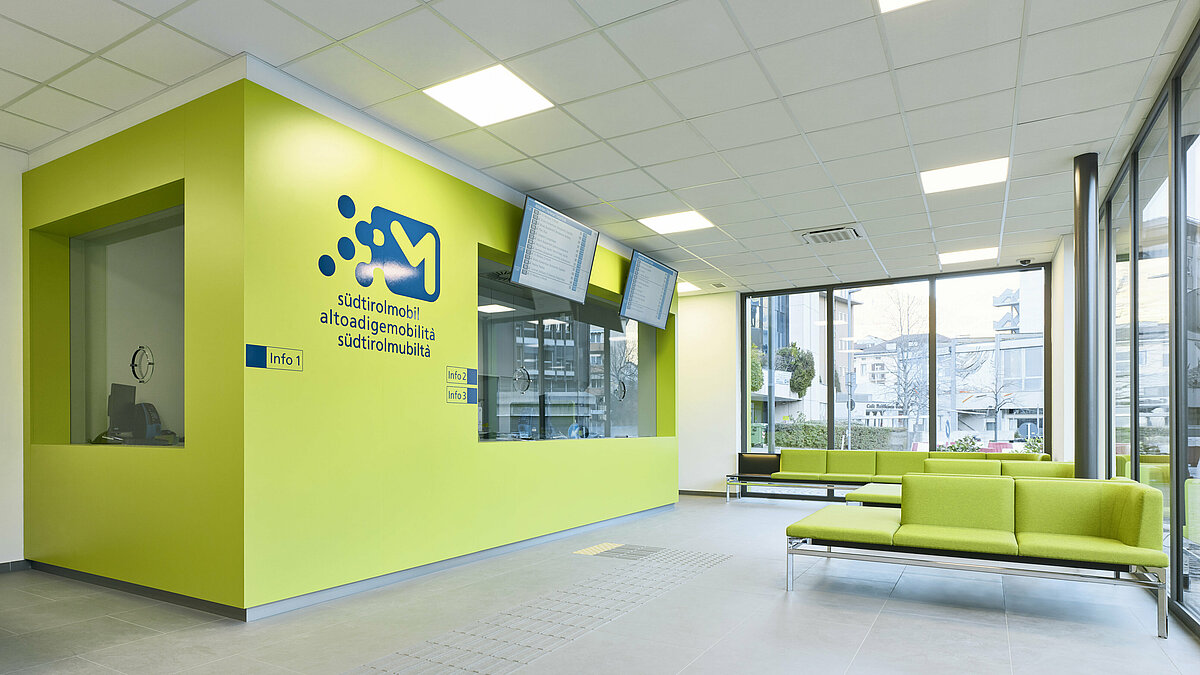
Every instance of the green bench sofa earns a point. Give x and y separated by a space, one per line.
1105 526
888 494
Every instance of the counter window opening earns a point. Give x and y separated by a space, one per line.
126 302
553 369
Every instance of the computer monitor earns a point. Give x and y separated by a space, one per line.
120 407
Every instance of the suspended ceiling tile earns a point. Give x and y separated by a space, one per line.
648 206
586 161
960 76
1029 238
1116 39
751 124
930 31
789 257
1042 204
785 153
872 166
478 148
1038 186
663 144
677 36
12 86
836 216
953 199
714 249
623 111
848 258
879 190
907 255
737 213
917 237
421 49
692 171
975 213
348 76
59 109
967 149
767 22
716 194
597 214
1041 163
543 131
344 18
525 175
88 24
421 116
913 222
622 185
838 55
858 272
684 266
967 244
859 138
1039 222
629 229
1083 92
738 263
890 208
25 134
34 55
514 27
251 26
960 118
966 231
723 85
607 11
154 7
670 255
164 54
108 84
575 69
773 241
1057 132
759 227
564 197
800 202
1045 16
845 103
800 179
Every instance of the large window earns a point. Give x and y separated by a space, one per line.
1121 325
1189 516
550 368
875 388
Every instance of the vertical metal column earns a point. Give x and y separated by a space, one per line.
1087 337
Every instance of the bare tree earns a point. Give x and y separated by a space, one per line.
907 380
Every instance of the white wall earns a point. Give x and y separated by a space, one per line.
1062 350
709 390
12 442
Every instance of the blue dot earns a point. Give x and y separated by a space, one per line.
345 248
325 264
346 206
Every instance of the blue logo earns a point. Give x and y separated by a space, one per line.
408 251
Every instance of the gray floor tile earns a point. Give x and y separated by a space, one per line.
85 636
606 653
689 616
778 641
74 665
947 597
907 643
237 665
165 617
15 598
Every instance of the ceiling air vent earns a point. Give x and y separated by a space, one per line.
829 235
718 285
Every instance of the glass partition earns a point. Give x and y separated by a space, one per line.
1189 512
1122 326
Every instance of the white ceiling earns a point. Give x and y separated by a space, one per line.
767 116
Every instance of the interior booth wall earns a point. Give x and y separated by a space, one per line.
12 548
163 517
709 388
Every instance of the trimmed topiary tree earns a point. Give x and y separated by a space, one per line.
802 375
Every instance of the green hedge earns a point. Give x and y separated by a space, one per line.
862 437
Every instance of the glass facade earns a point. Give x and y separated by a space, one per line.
874 390
1189 460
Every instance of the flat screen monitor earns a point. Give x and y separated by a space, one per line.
120 407
554 253
648 291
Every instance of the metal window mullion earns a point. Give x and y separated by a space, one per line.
830 350
1177 334
931 380
1135 228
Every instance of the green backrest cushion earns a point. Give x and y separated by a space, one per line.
1122 510
943 454
957 501
899 462
1124 468
1154 459
1042 469
850 461
802 461
970 467
1026 456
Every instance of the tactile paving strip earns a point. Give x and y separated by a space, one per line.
503 642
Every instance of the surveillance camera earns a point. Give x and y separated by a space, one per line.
1025 262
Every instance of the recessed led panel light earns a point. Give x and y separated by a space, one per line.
965 175
886 6
495 309
686 287
489 96
677 222
968 256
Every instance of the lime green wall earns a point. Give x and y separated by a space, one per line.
166 518
292 482
357 466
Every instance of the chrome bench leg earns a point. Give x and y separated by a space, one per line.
1160 573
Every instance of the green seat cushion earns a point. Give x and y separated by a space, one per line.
796 475
875 493
970 467
1087 549
1038 469
842 522
945 454
883 478
981 502
970 539
899 462
848 477
1021 456
855 462
802 461
1125 511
